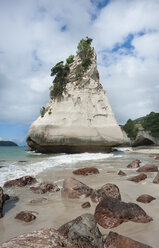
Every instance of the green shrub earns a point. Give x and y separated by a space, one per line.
42 111
70 59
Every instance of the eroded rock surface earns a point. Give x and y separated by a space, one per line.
25 216
20 182
148 168
108 189
138 178
83 232
111 212
145 198
115 240
42 188
86 171
134 164
73 188
44 238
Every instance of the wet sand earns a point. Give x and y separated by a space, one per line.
55 211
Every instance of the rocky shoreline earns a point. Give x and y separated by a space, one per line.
109 210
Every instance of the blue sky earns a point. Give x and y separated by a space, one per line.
35 35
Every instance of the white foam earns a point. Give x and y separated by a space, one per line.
16 170
124 149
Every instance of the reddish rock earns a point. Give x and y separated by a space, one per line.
157 158
73 188
1 202
86 171
111 212
138 178
20 182
83 232
86 205
145 198
114 240
42 188
106 190
134 164
156 179
25 216
44 238
148 168
121 173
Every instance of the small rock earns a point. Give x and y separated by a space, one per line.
73 188
148 168
20 182
157 158
134 164
86 171
111 212
115 240
156 179
138 178
6 197
25 216
1 202
121 173
145 198
83 232
38 200
44 238
42 188
108 189
86 205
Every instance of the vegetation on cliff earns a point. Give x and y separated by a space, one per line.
7 143
149 122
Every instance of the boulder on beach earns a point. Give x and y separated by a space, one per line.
83 232
111 212
86 171
138 178
148 168
43 188
73 188
86 205
145 198
1 202
20 182
115 240
121 173
157 158
134 164
156 179
44 238
25 216
108 189
78 117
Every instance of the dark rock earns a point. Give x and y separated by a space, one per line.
22 161
1 202
20 182
42 188
114 240
44 238
111 212
83 232
138 178
106 190
86 171
134 164
25 216
38 200
6 197
86 205
121 173
145 198
156 179
73 188
148 168
157 158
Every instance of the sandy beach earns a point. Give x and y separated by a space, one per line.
54 211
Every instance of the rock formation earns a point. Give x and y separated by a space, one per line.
81 120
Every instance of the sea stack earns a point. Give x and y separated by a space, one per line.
78 117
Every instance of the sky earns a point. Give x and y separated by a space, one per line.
36 34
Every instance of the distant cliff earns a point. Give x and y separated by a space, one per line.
78 117
7 143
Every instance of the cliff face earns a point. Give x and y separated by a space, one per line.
80 121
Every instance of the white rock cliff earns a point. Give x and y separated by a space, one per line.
81 121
